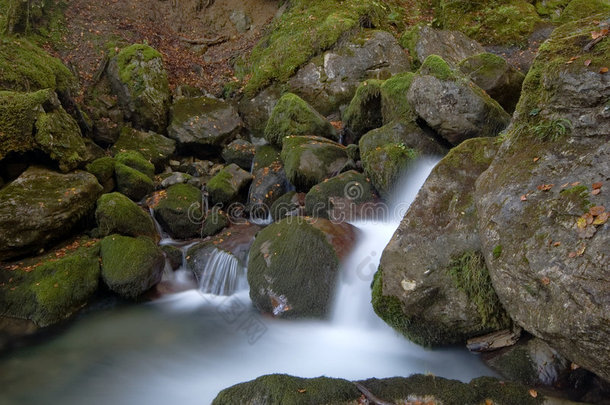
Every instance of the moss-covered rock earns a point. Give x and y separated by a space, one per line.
579 9
215 221
116 213
50 288
464 110
293 116
559 137
496 22
130 266
550 8
432 284
139 80
394 104
269 183
103 170
41 206
26 67
265 156
154 147
229 185
240 152
131 182
173 255
203 125
289 204
340 197
291 282
178 210
309 160
135 160
36 121
364 111
496 77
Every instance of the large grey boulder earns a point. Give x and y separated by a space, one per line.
41 206
330 81
542 220
452 105
432 284
452 46
203 125
139 80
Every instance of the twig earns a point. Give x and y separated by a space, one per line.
369 395
591 44
205 41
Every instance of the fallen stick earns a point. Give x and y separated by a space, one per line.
369 395
205 41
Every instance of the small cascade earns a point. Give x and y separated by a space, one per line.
223 274
160 231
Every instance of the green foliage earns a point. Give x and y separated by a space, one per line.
552 130
470 275
307 28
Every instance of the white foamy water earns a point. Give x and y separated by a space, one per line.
186 347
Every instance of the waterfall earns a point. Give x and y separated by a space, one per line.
222 274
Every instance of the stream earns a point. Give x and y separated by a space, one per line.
186 347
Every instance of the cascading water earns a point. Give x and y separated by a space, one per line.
223 274
186 347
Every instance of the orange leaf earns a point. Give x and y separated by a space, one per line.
536 159
597 210
545 187
596 191
603 70
545 281
587 62
533 393
302 391
557 244
524 197
597 185
601 218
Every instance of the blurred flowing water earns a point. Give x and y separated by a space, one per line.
186 347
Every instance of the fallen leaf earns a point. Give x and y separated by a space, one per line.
601 218
581 251
545 187
575 183
524 197
581 222
557 244
572 255
596 191
565 185
603 70
587 62
601 33
597 185
597 210
302 391
533 393
574 366
545 280
536 159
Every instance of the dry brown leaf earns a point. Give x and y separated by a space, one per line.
533 393
587 62
603 70
524 197
597 210
597 185
302 391
557 244
601 218
596 191
545 280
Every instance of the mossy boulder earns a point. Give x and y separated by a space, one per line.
534 201
453 46
293 265
579 9
115 213
550 8
178 210
42 206
493 74
265 156
452 105
276 389
269 184
240 152
340 198
289 204
105 116
26 67
309 160
364 111
432 284
131 266
135 160
139 80
394 104
50 288
229 185
293 116
203 125
173 256
154 147
496 22
214 222
131 182
103 170
36 121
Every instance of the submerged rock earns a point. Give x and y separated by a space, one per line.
452 105
41 206
309 160
291 282
432 284
542 219
139 80
131 266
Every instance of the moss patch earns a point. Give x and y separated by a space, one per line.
134 184
154 147
265 156
471 276
579 9
116 213
436 66
394 104
135 160
385 165
178 210
364 111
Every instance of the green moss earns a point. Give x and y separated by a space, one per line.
306 29
178 210
347 188
18 113
185 109
305 276
130 266
408 40
579 9
497 252
385 165
26 67
436 66
132 183
394 104
495 22
388 307
215 222
50 288
284 389
550 8
58 135
221 187
293 116
284 205
504 392
516 364
470 274
579 196
364 110
265 156
141 52
135 160
116 213
154 147
102 169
